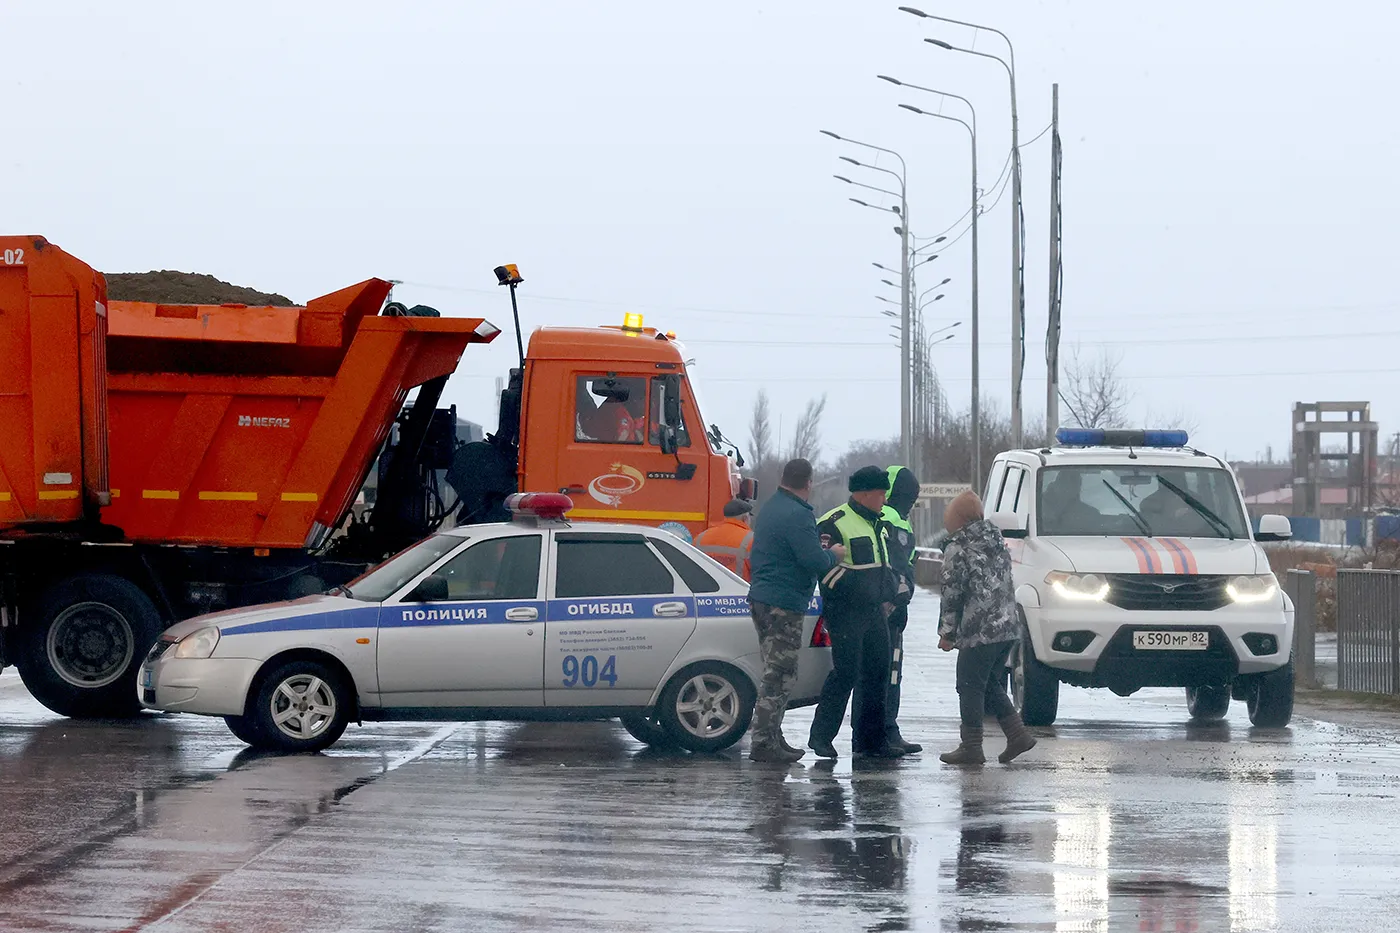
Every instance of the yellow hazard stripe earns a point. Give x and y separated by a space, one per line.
625 514
214 495
160 494
58 494
299 497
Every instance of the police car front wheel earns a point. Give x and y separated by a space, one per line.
298 706
706 707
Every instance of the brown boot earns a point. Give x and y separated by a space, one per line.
969 752
1018 738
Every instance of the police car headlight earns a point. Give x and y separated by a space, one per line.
1078 586
1256 588
198 645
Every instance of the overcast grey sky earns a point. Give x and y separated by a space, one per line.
1229 180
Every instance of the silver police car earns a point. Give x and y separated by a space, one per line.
534 619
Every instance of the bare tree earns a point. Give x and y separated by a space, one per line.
807 435
760 432
1094 391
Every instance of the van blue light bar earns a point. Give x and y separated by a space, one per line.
1098 437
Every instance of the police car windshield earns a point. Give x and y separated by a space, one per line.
1171 501
396 572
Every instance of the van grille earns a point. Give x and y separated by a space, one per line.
1167 592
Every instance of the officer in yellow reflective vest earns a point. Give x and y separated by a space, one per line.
904 492
858 595
731 541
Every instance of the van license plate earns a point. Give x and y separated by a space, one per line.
1171 641
147 678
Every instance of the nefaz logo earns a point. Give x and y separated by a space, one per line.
254 421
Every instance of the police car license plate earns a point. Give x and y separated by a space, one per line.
148 678
1171 641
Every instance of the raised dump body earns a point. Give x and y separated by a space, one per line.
255 427
53 447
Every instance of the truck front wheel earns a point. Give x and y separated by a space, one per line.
82 644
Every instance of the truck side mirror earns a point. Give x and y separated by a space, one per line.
669 447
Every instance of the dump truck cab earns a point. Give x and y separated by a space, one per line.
625 437
610 417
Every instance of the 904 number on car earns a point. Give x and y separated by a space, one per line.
587 671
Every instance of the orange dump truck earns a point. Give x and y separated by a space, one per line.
160 461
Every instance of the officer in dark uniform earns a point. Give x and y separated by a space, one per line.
904 492
858 596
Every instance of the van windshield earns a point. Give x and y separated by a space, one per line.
1171 501
395 573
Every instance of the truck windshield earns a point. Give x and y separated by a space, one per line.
1170 501
396 572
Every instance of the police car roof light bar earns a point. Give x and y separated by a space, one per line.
1099 437
548 506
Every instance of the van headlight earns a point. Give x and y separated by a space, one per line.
1078 586
1255 588
198 645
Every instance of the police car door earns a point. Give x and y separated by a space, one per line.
618 616
470 632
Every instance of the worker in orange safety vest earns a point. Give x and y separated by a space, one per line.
731 541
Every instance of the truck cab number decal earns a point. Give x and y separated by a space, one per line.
13 257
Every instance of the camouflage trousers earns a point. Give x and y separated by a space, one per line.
779 638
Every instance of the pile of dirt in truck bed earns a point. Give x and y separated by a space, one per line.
185 288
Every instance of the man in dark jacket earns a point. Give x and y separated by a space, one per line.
857 597
904 492
786 561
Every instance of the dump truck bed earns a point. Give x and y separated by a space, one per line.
236 426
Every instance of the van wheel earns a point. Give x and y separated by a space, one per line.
1207 704
648 730
1034 687
298 706
1271 698
707 707
88 639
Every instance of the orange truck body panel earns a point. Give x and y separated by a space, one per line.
53 446
256 427
607 481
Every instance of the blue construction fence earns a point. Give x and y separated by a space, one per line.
1350 532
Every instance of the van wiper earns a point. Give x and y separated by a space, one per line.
1200 508
1137 516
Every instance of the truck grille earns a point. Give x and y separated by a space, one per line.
1166 592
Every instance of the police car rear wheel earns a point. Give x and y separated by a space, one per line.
299 706
1207 704
245 728
648 730
1270 698
706 707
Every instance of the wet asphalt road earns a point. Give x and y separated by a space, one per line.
1124 818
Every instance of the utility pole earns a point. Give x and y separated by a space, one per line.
1018 288
1052 330
905 321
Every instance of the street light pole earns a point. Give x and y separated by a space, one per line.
1017 288
976 426
905 445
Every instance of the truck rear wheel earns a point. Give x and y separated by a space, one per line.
83 644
